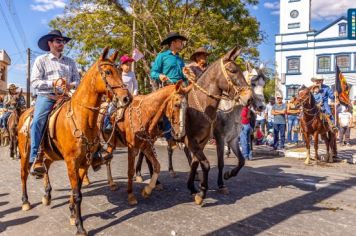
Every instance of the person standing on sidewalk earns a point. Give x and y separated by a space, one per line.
345 121
246 132
354 113
261 120
268 113
293 121
279 122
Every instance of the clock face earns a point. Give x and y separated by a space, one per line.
294 14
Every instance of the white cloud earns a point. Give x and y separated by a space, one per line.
47 5
255 7
19 67
275 13
331 9
271 5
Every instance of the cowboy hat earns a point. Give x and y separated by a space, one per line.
172 36
316 78
43 41
12 86
279 95
125 59
200 50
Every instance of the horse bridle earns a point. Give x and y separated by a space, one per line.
237 89
108 85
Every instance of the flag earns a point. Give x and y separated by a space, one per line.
137 55
342 88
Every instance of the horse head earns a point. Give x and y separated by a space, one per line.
108 80
258 82
176 110
304 96
230 77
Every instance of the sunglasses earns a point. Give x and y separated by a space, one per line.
59 41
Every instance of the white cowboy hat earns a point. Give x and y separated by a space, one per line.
316 78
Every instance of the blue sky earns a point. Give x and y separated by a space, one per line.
34 16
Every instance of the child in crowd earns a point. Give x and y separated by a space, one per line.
345 121
269 138
259 136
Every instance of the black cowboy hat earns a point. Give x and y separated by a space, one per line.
43 41
200 50
172 36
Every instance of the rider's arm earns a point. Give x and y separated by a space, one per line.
135 85
75 79
330 94
157 68
37 76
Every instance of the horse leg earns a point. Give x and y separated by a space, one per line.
193 171
130 174
24 175
151 155
188 155
46 199
327 144
316 145
112 185
307 144
150 169
234 144
139 178
170 161
220 154
333 146
75 203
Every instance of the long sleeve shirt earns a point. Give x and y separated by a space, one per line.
168 64
10 102
326 94
130 80
47 68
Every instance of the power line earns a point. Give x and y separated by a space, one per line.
17 22
11 33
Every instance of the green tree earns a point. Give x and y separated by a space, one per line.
216 24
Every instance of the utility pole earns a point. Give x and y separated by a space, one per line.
133 33
28 95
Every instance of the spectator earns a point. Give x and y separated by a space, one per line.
258 136
1 102
268 113
128 76
261 120
269 138
354 113
246 132
279 122
345 121
293 121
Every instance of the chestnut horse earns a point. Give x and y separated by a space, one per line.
312 123
76 135
224 75
138 130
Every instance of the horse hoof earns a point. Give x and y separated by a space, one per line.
226 175
132 200
72 221
159 187
84 233
224 190
139 179
114 186
85 182
198 199
146 192
26 206
307 162
173 174
46 201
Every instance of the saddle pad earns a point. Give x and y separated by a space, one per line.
52 120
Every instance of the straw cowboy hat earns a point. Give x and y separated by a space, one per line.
43 41
316 78
199 51
172 36
12 86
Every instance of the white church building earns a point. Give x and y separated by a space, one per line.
303 53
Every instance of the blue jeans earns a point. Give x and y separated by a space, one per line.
327 110
279 130
167 128
292 121
4 118
269 125
43 107
261 123
245 141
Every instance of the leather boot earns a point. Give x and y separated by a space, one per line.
37 168
331 124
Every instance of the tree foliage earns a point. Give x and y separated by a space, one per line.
216 24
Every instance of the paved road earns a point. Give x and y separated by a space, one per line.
271 196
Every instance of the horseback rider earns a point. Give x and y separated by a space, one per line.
167 68
10 103
199 61
322 93
51 70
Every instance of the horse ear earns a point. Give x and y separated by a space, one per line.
233 53
104 53
113 57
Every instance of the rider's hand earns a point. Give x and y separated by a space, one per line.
163 77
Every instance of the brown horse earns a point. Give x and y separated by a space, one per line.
312 123
224 75
138 130
12 123
76 135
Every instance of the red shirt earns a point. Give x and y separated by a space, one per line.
244 114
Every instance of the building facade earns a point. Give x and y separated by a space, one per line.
5 61
303 53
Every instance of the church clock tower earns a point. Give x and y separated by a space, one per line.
294 16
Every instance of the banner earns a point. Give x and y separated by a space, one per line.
137 55
342 88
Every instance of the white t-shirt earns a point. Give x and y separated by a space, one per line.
269 109
260 115
344 118
130 80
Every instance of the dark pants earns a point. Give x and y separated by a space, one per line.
261 123
344 131
4 118
269 125
292 122
279 131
